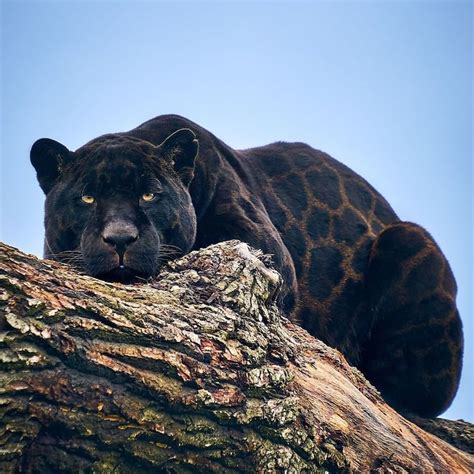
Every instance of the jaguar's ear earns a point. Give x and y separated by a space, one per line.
181 148
48 158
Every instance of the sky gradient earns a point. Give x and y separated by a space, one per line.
386 88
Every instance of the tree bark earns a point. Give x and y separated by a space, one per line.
196 371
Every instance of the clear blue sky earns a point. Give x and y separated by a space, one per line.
383 87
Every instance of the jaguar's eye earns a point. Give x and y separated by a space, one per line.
147 197
88 199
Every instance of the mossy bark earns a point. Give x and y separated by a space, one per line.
196 371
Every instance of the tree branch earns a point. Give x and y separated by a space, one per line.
196 371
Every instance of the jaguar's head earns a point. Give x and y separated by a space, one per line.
118 207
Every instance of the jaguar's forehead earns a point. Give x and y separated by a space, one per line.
119 164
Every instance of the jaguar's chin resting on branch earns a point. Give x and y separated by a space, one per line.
355 276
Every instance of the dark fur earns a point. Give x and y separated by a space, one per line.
378 289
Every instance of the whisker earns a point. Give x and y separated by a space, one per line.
143 278
73 258
171 247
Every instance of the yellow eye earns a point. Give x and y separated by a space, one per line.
148 197
88 199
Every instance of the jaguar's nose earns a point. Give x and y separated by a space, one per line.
120 235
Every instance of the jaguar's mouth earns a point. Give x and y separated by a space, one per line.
123 274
